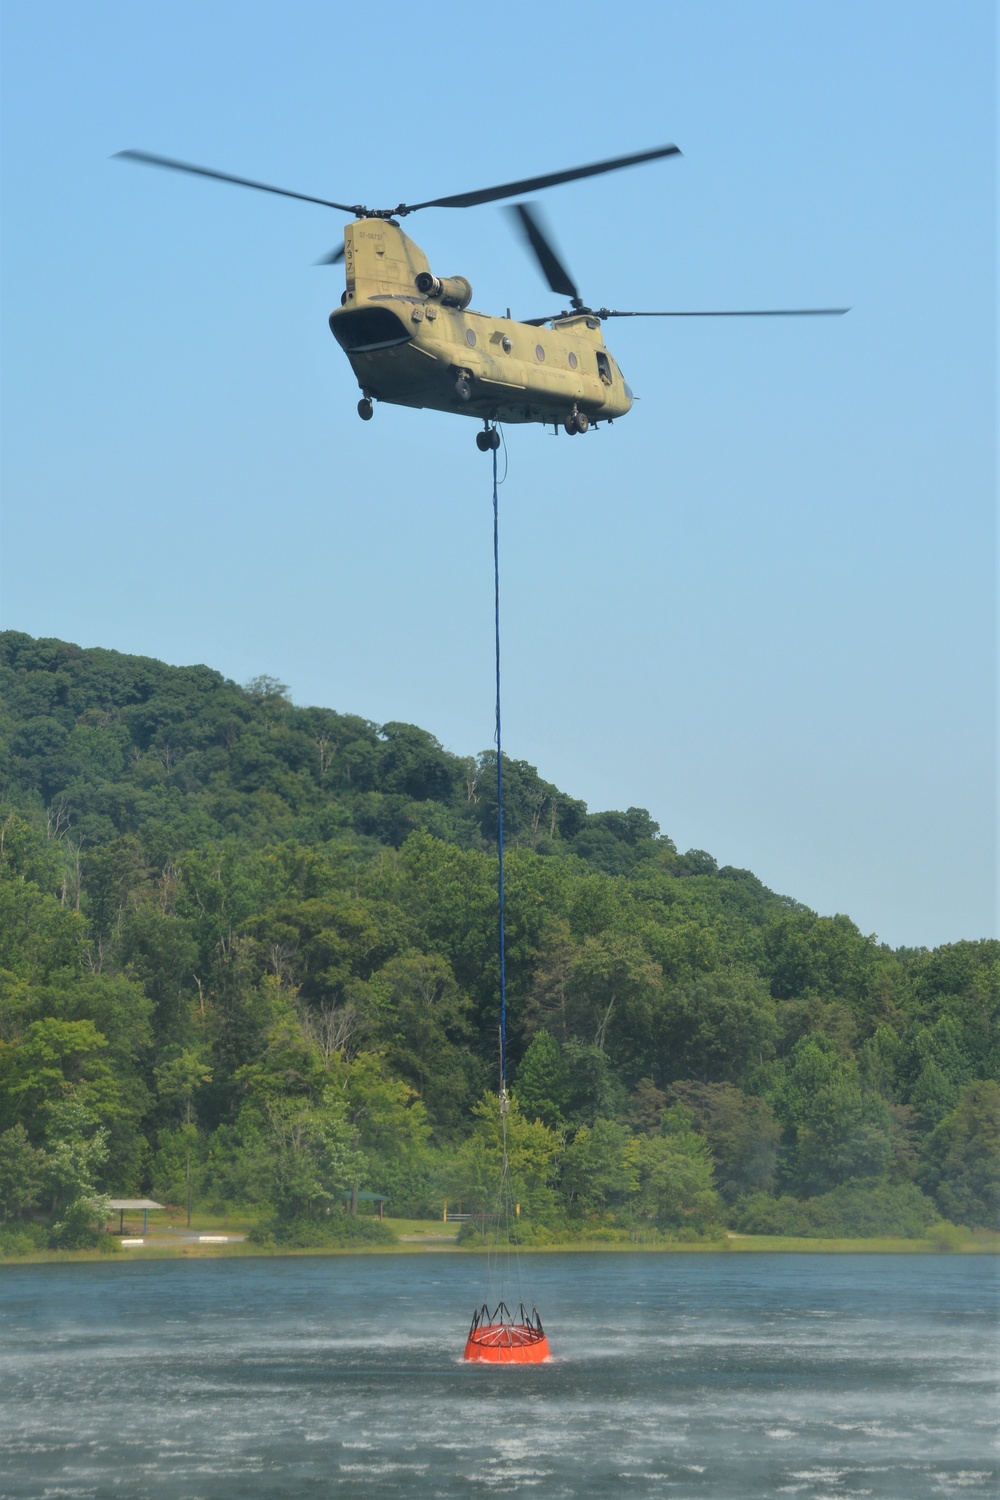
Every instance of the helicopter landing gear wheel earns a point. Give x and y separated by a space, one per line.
576 422
488 439
570 423
582 422
463 390
365 409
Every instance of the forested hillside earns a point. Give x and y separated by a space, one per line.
248 951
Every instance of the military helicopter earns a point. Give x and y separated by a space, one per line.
413 340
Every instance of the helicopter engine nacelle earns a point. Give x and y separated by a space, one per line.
452 291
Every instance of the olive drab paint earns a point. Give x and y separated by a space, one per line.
421 348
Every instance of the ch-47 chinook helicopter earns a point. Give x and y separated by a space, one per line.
413 340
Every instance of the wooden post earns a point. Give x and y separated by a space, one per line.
354 1201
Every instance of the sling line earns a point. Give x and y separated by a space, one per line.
500 890
501 1336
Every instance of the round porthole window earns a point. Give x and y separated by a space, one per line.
539 352
470 337
572 361
506 345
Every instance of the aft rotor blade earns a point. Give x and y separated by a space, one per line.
149 160
333 259
554 271
743 312
535 184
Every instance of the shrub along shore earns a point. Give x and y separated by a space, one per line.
980 1243
248 959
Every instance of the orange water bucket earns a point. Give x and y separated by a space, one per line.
498 1338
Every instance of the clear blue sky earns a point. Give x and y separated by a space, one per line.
762 606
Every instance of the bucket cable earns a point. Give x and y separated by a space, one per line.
503 1331
505 1262
500 889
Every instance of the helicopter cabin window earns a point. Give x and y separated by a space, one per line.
506 345
470 337
572 361
604 368
539 353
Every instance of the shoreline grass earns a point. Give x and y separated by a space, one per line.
981 1243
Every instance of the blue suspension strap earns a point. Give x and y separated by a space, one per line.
496 615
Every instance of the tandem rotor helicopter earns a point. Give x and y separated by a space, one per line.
413 340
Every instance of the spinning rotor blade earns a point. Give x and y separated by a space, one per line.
333 259
554 271
184 166
753 312
535 184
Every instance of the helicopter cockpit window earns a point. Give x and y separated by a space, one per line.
604 368
367 329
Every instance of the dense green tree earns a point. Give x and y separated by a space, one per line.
532 1152
300 1157
75 1154
421 1018
392 1131
741 1131
57 1063
160 950
674 1170
599 1170
826 955
613 993
646 1106
963 1158
117 1006
595 1089
542 1082
22 1173
716 1029
840 1133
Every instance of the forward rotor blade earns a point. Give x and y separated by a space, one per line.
753 312
333 259
535 184
553 270
149 160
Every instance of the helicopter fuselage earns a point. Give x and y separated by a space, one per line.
412 340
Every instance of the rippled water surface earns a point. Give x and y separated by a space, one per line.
724 1375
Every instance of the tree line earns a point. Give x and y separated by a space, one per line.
248 957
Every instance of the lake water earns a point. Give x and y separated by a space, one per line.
735 1376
